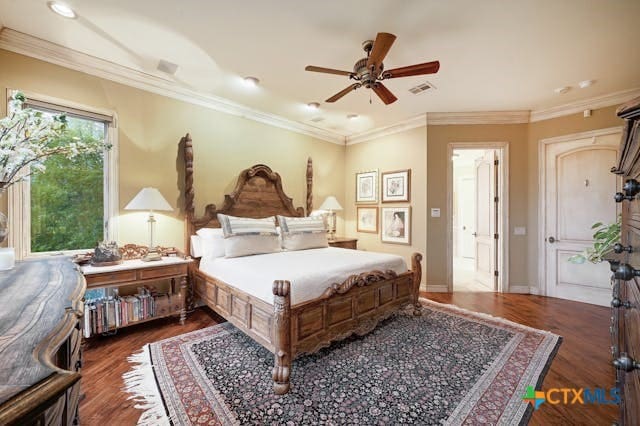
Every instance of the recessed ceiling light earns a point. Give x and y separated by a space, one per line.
352 116
562 90
251 81
62 9
586 83
313 105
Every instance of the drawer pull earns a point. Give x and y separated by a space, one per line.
78 365
631 187
617 303
626 272
619 248
625 363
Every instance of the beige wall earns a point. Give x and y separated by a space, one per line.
149 128
406 150
600 119
439 137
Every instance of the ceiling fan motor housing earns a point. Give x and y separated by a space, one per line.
364 74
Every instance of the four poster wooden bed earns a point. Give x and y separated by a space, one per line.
355 305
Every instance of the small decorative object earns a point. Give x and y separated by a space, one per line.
149 199
604 238
331 205
82 258
367 219
7 258
396 186
367 187
396 225
106 253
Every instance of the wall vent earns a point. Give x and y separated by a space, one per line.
317 119
167 67
421 88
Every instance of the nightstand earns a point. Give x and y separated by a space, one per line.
139 272
347 243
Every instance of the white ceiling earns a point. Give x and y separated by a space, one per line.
495 55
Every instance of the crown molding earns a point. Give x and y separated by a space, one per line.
603 101
479 117
412 123
34 47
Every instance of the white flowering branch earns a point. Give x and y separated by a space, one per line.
28 137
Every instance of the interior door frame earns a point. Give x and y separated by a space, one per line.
502 149
542 191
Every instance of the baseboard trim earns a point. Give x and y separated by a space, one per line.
437 288
520 289
534 290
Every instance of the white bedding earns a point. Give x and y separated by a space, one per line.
310 272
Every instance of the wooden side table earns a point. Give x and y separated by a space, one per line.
342 242
137 271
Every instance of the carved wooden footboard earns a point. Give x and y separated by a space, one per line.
356 305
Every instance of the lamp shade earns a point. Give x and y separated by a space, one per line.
149 199
330 203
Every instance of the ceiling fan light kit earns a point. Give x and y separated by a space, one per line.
369 72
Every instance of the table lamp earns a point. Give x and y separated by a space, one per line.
331 205
149 199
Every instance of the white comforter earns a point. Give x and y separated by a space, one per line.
310 272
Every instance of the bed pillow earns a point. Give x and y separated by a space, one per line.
211 242
245 236
301 233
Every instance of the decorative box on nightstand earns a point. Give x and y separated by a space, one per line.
347 243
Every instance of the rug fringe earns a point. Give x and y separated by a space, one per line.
140 382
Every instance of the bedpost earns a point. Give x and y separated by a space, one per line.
309 186
189 208
416 268
282 337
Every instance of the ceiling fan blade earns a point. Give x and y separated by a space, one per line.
343 92
418 69
380 49
326 70
384 93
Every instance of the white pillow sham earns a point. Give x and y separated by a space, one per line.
246 236
211 242
302 233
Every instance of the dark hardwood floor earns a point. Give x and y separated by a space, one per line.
582 361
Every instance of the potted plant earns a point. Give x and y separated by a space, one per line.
604 238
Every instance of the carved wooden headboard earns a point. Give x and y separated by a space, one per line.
258 193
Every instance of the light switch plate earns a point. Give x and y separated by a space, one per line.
519 230
435 212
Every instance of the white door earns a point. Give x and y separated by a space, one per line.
579 192
485 215
466 213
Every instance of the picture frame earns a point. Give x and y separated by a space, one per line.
396 225
396 186
367 219
367 187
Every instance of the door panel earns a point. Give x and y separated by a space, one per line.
467 213
579 188
484 264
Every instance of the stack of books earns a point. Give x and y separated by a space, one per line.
108 313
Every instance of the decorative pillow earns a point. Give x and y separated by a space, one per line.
245 236
211 242
196 246
301 233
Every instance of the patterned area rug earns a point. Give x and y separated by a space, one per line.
449 366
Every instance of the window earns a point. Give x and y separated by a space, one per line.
72 204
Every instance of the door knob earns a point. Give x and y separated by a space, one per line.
475 234
620 197
551 240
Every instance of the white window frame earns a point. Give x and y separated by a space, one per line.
19 200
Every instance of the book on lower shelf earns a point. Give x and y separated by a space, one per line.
107 311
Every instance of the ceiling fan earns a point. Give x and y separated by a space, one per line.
369 72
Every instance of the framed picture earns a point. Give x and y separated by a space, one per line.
396 186
367 187
367 219
396 225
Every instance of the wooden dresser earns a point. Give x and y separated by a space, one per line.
625 327
40 338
